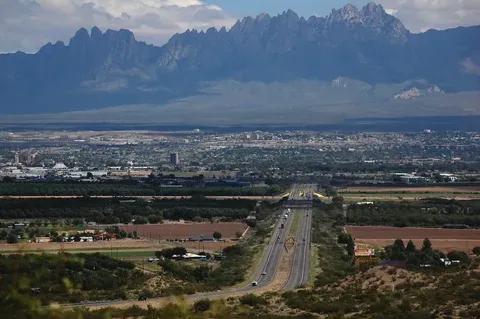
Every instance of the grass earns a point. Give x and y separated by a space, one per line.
353 197
295 224
114 253
333 261
314 265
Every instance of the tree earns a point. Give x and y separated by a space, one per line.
170 252
398 250
476 250
217 235
251 222
337 201
427 246
140 220
330 191
12 238
154 219
459 255
347 240
410 249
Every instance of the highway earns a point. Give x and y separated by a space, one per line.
301 198
276 254
301 260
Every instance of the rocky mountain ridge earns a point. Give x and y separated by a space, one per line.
101 69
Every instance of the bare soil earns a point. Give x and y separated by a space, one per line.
97 245
442 239
430 189
181 231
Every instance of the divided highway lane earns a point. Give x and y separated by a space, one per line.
275 249
299 273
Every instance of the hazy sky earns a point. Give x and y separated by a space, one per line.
28 24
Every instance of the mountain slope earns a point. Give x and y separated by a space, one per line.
107 69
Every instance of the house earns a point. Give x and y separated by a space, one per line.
190 256
43 239
19 226
364 254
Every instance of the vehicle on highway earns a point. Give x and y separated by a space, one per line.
264 273
254 283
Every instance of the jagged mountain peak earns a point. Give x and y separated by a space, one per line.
371 17
366 45
263 16
95 33
347 13
81 36
290 14
373 7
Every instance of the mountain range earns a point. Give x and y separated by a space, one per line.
351 62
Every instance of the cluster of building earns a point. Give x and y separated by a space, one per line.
331 157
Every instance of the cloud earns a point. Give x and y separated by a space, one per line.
421 15
26 25
469 66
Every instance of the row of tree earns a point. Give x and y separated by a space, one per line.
422 213
426 256
116 211
125 188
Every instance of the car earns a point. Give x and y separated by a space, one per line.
264 273
254 284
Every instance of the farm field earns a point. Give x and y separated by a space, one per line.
372 193
173 231
126 244
114 248
442 239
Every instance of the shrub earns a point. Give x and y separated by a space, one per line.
202 305
252 300
251 222
169 252
459 255
12 238
476 251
